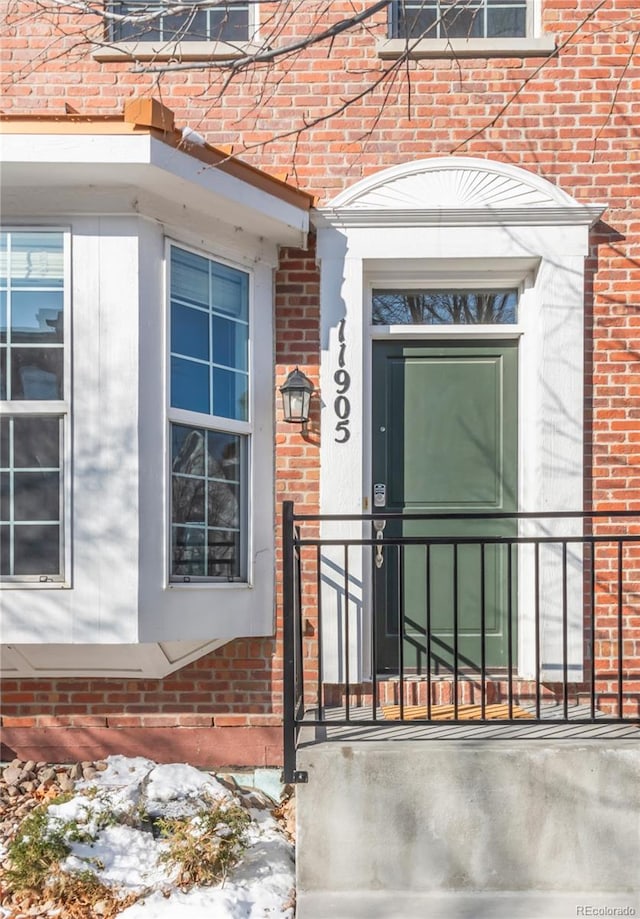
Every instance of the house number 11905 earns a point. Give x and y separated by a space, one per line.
342 378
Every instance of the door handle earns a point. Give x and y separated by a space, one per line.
379 526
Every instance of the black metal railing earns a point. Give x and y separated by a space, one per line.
416 618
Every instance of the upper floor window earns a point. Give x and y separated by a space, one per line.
32 407
209 415
161 20
459 19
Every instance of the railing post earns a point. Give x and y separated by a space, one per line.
289 661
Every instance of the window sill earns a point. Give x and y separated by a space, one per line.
392 48
173 51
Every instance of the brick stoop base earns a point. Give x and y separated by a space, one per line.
209 741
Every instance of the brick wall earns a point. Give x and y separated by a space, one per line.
574 121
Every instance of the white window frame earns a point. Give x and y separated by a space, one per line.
210 423
534 44
111 49
60 408
394 13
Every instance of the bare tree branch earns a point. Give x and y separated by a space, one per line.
268 65
272 54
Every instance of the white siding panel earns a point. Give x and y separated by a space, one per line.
100 603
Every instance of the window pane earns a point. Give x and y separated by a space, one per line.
210 502
230 289
230 23
31 313
190 385
146 29
36 496
223 554
189 277
37 259
461 21
223 454
187 454
4 239
36 443
36 550
188 551
189 332
36 316
4 443
5 550
223 507
417 21
444 307
36 373
188 26
223 467
138 30
230 394
230 341
5 497
505 23
30 493
188 500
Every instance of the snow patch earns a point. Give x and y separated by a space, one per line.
128 858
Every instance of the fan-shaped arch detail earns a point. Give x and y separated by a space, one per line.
452 183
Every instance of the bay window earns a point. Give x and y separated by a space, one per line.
209 418
33 403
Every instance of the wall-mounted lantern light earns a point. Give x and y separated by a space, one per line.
296 395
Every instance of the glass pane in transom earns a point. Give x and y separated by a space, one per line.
444 307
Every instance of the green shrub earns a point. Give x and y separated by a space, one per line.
37 849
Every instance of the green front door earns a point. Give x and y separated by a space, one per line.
445 441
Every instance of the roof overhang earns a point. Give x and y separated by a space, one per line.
91 162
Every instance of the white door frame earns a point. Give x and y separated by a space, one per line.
376 232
